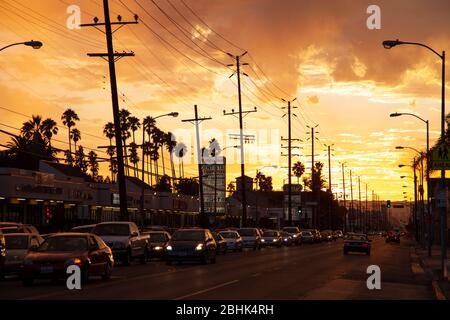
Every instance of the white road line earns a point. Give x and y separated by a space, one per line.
206 290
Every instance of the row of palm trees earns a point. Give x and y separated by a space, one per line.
156 144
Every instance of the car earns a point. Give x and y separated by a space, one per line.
125 240
232 239
338 234
61 250
271 238
221 244
327 235
307 236
2 253
17 247
191 244
357 243
84 229
294 232
158 241
251 238
287 239
13 227
316 235
393 236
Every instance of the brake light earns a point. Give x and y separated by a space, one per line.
365 245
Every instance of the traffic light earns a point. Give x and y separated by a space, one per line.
388 204
299 211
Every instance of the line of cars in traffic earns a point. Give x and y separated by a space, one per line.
96 248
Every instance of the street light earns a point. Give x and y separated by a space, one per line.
32 43
388 44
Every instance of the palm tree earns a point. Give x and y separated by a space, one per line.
148 125
231 189
154 156
75 134
134 125
170 143
109 131
111 150
49 128
298 169
68 119
32 127
157 138
80 160
93 163
124 115
134 158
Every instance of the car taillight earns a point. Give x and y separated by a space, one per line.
365 245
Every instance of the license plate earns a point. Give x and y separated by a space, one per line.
47 269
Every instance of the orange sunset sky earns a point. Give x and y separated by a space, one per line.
318 51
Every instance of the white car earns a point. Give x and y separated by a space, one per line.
251 238
232 239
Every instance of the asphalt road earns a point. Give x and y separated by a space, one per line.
318 271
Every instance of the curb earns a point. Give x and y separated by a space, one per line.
437 291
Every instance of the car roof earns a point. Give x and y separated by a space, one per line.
60 234
114 222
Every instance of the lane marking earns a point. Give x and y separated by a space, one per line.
206 290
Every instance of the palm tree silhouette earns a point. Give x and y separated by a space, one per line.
298 169
75 134
68 119
170 145
124 115
49 128
93 163
148 125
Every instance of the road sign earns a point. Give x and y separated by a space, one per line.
440 157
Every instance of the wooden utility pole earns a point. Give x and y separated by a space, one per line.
112 57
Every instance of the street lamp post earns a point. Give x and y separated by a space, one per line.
32 43
388 44
171 114
429 213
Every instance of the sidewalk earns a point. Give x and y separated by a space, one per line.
432 267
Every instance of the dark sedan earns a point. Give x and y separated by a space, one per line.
158 241
294 232
191 245
357 243
59 251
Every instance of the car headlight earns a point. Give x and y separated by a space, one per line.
274 240
199 247
73 261
169 248
157 248
262 240
295 236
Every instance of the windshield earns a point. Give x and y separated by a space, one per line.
16 242
270 234
291 230
228 235
188 236
157 237
64 243
306 233
247 232
112 230
10 230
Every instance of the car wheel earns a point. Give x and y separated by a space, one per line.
27 282
213 259
204 260
107 274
